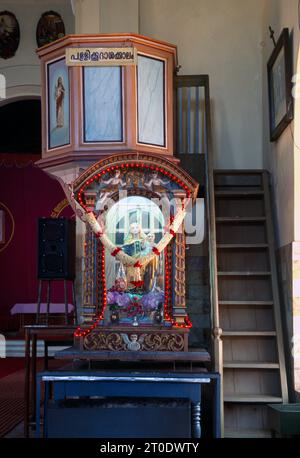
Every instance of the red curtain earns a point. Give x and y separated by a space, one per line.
26 193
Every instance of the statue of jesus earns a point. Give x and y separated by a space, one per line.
59 99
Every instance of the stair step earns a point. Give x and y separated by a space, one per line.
241 245
246 303
253 398
238 172
244 274
249 333
238 193
247 433
245 255
250 365
240 219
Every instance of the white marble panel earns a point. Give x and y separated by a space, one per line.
151 128
102 104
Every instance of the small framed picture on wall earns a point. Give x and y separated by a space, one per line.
9 34
50 28
280 70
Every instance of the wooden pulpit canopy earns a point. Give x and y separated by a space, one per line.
107 93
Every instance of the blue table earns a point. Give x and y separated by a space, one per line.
131 384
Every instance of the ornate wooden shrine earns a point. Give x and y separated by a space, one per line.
108 109
134 283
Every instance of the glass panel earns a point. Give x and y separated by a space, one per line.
102 104
135 295
151 108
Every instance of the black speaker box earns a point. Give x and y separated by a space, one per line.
56 248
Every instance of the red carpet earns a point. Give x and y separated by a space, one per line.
12 391
10 365
11 400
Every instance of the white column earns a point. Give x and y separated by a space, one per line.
119 16
106 16
87 16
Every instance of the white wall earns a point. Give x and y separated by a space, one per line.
223 39
283 161
219 37
281 157
119 16
227 39
22 71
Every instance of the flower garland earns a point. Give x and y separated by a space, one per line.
134 309
88 216
129 261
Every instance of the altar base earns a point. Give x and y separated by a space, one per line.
135 339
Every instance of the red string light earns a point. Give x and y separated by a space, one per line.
167 288
167 304
130 165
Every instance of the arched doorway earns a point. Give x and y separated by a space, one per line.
20 122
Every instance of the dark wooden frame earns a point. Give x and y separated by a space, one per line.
2 224
41 23
282 43
48 105
11 41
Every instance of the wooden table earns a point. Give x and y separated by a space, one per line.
32 333
132 384
30 310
